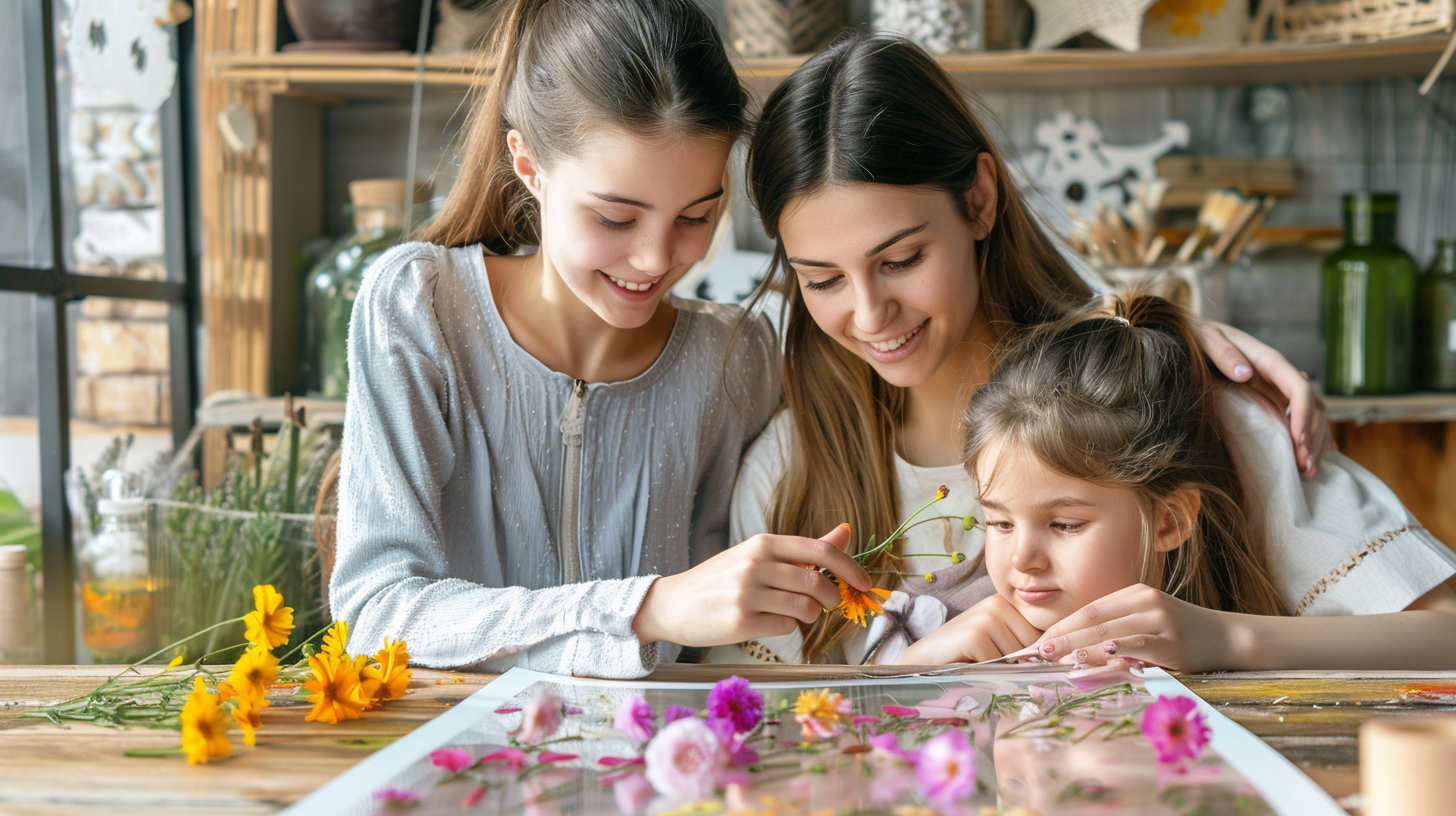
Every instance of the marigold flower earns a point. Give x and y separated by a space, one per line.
248 714
204 729
821 715
335 691
336 639
855 605
391 671
271 623
1175 728
254 672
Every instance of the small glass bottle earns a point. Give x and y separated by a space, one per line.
116 586
377 211
1368 302
1436 321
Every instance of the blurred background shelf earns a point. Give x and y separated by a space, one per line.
344 75
1403 408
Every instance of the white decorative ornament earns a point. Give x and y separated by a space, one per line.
119 51
1078 171
938 26
1119 22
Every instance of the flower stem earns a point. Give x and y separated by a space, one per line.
899 531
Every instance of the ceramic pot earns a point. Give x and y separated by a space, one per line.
354 25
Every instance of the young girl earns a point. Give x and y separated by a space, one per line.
532 440
1119 522
905 255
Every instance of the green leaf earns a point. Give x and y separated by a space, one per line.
149 753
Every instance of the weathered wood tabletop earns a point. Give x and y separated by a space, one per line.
1310 717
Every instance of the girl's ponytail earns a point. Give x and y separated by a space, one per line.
488 203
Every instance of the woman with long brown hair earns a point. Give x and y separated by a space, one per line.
906 256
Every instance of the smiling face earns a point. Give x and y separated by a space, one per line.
626 218
889 272
1055 543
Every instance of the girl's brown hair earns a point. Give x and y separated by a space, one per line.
877 109
656 68
1121 396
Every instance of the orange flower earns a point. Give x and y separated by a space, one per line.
855 605
821 715
204 730
248 714
336 639
271 623
254 672
336 694
391 671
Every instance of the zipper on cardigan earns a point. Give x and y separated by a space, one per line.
571 425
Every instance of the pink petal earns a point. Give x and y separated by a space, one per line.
552 756
618 762
899 711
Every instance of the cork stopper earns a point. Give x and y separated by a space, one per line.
379 203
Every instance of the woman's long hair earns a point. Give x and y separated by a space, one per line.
878 109
1122 396
656 68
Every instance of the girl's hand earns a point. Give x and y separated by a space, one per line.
1246 360
758 588
1142 623
986 631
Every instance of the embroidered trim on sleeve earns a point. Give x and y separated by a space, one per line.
1333 577
759 652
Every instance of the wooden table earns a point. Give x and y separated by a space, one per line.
1310 717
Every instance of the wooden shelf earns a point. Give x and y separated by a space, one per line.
345 75
1427 407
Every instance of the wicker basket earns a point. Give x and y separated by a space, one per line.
777 28
1350 20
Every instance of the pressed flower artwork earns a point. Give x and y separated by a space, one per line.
1031 739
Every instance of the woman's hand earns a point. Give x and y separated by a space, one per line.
986 631
1246 360
1143 623
758 588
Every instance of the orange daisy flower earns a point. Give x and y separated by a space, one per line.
336 639
856 605
204 730
391 671
271 623
254 672
335 691
248 714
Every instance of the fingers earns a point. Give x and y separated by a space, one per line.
1095 622
839 537
1293 391
810 584
779 603
819 553
1225 355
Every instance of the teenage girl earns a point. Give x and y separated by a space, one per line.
1118 521
540 440
906 255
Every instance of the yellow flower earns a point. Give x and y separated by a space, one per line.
391 671
336 639
821 715
369 682
254 672
271 623
336 694
855 604
204 729
248 714
176 661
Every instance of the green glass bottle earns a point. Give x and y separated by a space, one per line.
1368 302
1436 320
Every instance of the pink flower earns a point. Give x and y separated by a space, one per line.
391 799
513 758
889 782
946 770
473 798
542 718
888 745
548 757
677 712
898 711
734 700
633 793
862 719
1175 728
453 760
685 759
618 762
634 718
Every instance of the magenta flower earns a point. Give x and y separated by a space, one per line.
685 759
542 718
888 745
946 769
863 719
473 798
618 762
634 718
899 711
1175 728
677 712
513 758
735 701
548 757
453 760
